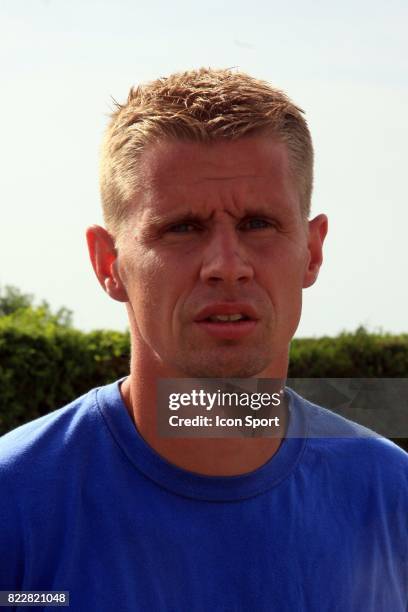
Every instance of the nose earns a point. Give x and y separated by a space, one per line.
225 258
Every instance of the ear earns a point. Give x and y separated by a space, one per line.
103 256
317 233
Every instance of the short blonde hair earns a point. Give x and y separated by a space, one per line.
203 106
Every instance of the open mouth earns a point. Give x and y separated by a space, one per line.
228 320
236 319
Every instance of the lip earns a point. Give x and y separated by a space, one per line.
227 308
228 330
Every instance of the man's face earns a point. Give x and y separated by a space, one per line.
215 226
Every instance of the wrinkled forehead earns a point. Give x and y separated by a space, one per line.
188 172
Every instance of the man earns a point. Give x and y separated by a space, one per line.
206 182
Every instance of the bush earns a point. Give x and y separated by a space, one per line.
44 365
350 355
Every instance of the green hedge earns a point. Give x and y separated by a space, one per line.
350 355
44 365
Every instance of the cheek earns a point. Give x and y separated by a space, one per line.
145 278
285 263
283 277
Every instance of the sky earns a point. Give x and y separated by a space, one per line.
345 63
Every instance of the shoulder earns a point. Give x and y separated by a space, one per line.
348 448
38 441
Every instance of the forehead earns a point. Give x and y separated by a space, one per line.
225 172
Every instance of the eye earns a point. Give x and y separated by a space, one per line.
257 223
180 228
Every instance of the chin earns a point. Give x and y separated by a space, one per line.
225 368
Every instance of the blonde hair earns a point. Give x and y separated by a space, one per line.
203 106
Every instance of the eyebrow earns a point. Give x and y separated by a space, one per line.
189 215
171 217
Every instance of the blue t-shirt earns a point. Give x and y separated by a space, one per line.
86 506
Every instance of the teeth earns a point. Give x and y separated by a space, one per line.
233 317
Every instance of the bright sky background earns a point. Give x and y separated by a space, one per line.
344 62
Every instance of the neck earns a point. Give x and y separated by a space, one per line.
207 456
